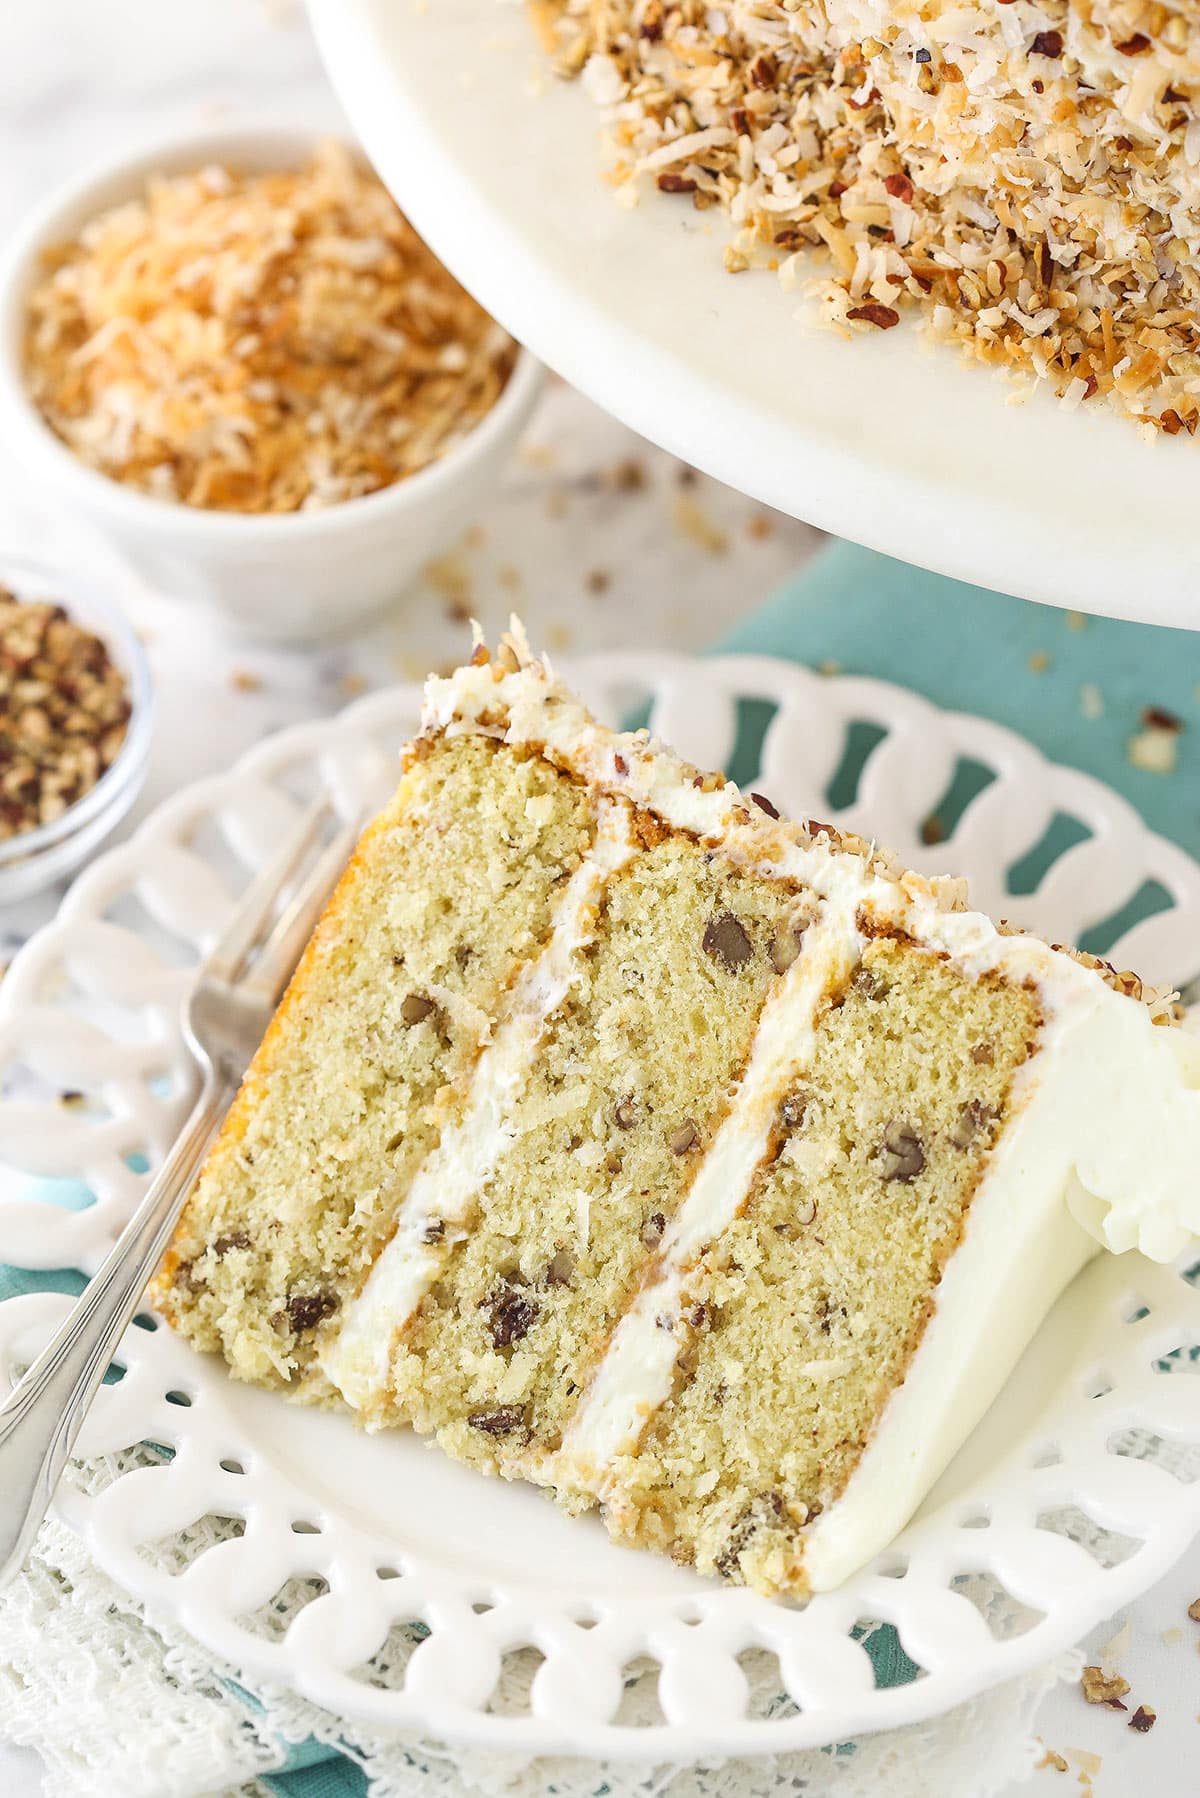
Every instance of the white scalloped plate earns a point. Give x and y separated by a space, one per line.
1077 1492
881 440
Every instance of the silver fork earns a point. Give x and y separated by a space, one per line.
236 992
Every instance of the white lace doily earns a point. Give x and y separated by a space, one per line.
399 1591
117 1705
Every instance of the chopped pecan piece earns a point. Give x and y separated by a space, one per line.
503 1420
511 1313
902 1153
872 312
727 941
306 1310
1099 1687
237 1239
685 1137
785 947
416 1008
560 1268
792 1110
974 1117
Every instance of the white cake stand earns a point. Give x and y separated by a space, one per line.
885 441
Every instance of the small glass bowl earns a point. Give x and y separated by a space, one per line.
34 859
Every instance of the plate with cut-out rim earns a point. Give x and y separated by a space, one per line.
398 1589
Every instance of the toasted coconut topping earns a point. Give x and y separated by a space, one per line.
1026 174
259 343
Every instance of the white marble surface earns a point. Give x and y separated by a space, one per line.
591 553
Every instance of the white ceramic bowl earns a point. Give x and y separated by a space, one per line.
296 575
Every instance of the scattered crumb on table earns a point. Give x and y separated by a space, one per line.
449 577
539 455
695 523
1154 750
628 475
1099 1687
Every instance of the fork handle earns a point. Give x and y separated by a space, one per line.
42 1416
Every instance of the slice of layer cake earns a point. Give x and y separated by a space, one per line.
631 1140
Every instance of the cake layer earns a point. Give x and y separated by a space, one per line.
806 1311
451 887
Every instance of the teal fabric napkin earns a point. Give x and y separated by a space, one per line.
1036 669
1076 687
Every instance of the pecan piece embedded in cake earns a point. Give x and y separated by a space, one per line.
237 1239
727 941
685 1137
416 1008
785 947
625 1113
974 1117
901 1153
511 1313
306 1310
503 1420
